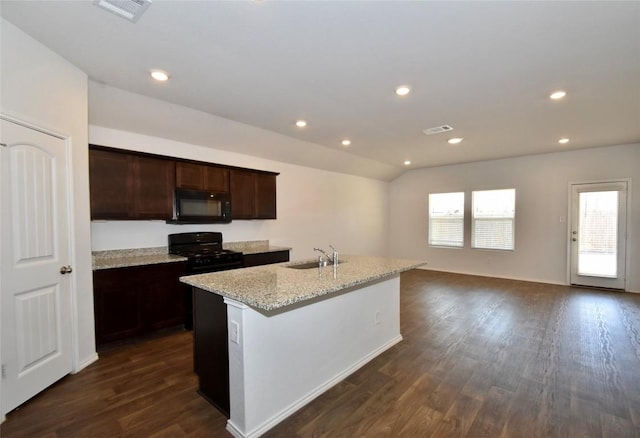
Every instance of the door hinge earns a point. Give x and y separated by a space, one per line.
4 145
4 371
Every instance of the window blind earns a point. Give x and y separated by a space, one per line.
493 219
446 219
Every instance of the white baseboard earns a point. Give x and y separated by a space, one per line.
503 277
85 363
233 430
270 423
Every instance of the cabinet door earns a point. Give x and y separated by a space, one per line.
189 176
164 295
210 348
154 183
216 179
136 300
202 177
111 182
243 194
265 196
117 303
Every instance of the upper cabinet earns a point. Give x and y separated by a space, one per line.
266 196
111 185
128 186
243 194
202 177
153 187
253 194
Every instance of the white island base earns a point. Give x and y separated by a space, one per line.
281 360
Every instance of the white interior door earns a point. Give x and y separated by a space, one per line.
36 310
598 234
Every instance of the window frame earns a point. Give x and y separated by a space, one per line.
430 227
474 219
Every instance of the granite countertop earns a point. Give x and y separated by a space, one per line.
123 258
254 247
272 287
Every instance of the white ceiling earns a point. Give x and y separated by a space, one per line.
485 68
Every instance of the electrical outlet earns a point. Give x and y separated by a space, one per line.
377 318
234 332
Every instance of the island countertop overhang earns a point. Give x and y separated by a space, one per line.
277 286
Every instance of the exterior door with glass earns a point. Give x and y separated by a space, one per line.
598 234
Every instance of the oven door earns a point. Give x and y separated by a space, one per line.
198 207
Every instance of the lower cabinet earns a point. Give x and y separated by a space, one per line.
265 258
136 300
210 337
210 348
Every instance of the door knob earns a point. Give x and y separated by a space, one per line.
574 239
66 270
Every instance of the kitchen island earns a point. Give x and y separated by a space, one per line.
290 334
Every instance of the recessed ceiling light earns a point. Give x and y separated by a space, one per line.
403 90
346 142
407 162
564 140
454 140
556 95
301 123
159 75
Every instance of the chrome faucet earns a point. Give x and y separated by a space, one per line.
334 259
328 259
335 255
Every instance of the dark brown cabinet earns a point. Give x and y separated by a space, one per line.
210 349
243 194
111 179
253 194
265 196
265 258
136 300
128 186
202 177
153 187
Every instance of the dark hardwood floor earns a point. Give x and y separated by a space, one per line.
481 357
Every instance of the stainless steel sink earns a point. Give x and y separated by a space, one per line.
308 265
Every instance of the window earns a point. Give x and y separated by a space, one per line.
446 219
492 225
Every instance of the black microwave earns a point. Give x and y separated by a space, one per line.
200 207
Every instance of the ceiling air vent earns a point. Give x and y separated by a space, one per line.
129 9
438 129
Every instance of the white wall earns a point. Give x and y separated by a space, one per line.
114 108
542 185
41 88
315 207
